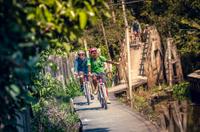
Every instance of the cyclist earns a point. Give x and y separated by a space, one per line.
96 67
81 67
136 29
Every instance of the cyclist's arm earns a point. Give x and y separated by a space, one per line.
76 66
112 62
108 61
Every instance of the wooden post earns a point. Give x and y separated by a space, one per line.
86 50
128 53
113 12
169 61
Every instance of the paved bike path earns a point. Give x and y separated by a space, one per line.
118 117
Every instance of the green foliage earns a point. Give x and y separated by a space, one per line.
114 34
64 19
53 112
73 88
54 116
181 91
178 19
47 86
26 29
141 105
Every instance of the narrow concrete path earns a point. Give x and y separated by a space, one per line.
118 117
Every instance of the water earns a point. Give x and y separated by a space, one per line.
193 122
181 116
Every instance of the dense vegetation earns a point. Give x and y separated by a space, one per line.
29 27
178 19
53 111
26 29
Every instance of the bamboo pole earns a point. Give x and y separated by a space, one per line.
113 12
128 53
170 61
86 49
105 39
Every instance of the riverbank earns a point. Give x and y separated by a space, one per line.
164 108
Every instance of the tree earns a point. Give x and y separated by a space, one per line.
178 19
114 32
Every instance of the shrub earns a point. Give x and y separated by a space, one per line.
55 116
53 112
181 90
72 88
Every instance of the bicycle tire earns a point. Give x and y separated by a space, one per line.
84 89
104 99
87 93
100 96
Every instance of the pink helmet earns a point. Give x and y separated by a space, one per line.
93 49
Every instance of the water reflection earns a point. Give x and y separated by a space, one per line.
181 116
194 118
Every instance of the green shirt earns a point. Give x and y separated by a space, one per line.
97 65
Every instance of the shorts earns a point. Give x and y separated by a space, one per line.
103 76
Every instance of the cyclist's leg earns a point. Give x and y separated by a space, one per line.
90 87
94 81
81 75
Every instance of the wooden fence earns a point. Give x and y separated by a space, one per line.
64 67
63 73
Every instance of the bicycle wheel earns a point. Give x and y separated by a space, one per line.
104 96
84 91
87 93
103 99
100 96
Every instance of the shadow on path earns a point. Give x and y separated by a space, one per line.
82 103
97 130
93 108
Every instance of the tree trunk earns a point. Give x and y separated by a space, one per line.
128 53
112 12
105 39
170 62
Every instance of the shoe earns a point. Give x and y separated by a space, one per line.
92 97
108 101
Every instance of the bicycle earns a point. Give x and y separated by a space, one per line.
86 88
101 92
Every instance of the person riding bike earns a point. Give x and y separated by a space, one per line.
96 67
81 67
136 29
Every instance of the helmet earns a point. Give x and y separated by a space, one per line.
81 52
93 49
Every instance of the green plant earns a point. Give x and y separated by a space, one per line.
53 112
72 88
55 116
47 86
26 29
181 90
